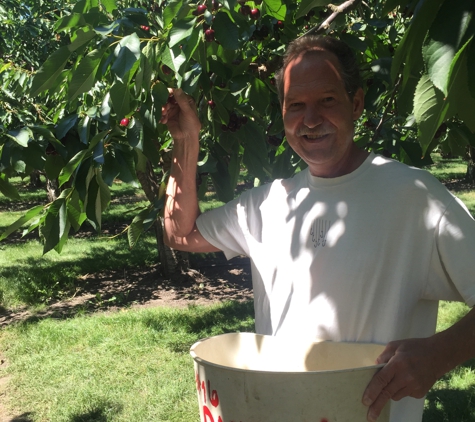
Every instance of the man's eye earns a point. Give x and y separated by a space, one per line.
328 99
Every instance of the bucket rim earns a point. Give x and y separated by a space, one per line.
202 361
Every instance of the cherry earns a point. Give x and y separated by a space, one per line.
124 122
211 104
145 28
209 35
200 10
280 24
255 14
166 70
171 99
245 10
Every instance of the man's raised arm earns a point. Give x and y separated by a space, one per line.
181 207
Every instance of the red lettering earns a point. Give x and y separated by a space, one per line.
219 419
203 387
214 398
207 414
198 382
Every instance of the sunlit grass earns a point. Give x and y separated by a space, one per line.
132 365
446 169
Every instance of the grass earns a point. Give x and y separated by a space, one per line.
134 365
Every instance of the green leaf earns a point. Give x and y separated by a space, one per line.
275 8
75 215
68 170
31 213
121 99
8 189
65 125
110 5
226 31
471 67
461 100
83 78
171 11
21 136
259 95
82 38
409 50
48 135
97 200
306 5
128 53
46 76
55 224
53 166
430 110
441 45
256 156
180 31
73 20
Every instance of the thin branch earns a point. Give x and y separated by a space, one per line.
337 10
385 113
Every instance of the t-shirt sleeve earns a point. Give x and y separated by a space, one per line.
455 250
221 228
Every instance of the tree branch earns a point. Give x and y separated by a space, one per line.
385 113
337 10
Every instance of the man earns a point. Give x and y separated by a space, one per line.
356 247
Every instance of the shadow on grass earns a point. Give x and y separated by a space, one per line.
446 404
24 417
450 405
179 330
36 281
99 413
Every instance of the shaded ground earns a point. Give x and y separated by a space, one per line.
211 280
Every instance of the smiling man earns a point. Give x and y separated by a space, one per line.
356 247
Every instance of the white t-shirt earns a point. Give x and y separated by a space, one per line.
364 257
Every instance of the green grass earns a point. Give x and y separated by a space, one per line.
132 365
446 169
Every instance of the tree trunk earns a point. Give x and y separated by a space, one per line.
171 261
35 181
470 176
52 188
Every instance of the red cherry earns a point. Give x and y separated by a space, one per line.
209 35
211 104
124 122
171 99
280 24
245 10
255 13
145 28
200 9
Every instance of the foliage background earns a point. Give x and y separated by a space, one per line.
83 84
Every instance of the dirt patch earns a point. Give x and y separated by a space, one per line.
210 280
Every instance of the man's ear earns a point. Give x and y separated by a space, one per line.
358 104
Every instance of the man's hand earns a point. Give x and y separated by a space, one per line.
181 117
412 367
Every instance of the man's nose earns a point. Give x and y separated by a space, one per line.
312 117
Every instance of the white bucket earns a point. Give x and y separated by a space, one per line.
245 377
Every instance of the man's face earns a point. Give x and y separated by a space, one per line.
318 114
